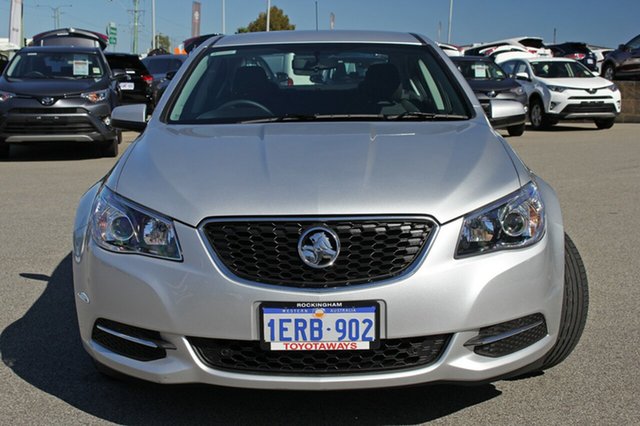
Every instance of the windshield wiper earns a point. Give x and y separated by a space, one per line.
314 117
418 115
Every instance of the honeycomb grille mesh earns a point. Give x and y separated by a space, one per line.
248 356
267 251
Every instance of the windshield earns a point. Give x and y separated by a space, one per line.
480 70
557 69
317 81
45 65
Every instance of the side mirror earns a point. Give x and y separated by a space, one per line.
622 47
170 74
130 117
501 109
119 74
522 76
282 77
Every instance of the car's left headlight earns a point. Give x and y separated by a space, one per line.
515 221
120 225
5 96
95 97
613 88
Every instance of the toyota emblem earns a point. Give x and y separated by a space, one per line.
47 100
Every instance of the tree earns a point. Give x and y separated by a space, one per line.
163 42
278 21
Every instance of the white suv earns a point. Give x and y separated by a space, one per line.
564 89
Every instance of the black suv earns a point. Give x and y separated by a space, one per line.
58 93
136 86
624 61
576 51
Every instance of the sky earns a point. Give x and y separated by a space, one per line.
598 22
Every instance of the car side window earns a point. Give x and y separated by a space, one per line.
634 44
522 67
508 67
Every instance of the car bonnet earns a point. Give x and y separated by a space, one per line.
441 169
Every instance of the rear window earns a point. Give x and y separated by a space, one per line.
532 42
126 63
345 81
69 41
162 65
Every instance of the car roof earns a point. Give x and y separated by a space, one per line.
328 36
545 59
158 57
79 49
471 59
130 55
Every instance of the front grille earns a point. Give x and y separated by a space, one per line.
514 343
267 251
589 107
48 111
125 347
590 98
63 125
248 356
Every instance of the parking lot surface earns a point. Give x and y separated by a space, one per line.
46 377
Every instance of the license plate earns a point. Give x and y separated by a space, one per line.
590 61
319 326
127 86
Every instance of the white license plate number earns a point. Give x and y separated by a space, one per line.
331 326
127 86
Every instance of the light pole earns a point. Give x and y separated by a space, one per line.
224 30
56 13
316 16
153 25
450 19
268 13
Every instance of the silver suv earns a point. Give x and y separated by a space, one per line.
360 227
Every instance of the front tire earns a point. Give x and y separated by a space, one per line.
609 72
574 306
110 147
539 119
4 150
516 130
604 123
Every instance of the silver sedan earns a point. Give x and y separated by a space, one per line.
322 210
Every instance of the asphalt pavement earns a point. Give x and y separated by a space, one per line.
46 377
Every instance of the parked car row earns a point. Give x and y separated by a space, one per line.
623 62
558 82
64 87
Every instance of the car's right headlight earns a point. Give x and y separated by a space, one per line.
120 225
5 96
558 89
515 221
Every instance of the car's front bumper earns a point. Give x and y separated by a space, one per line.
575 104
195 298
27 120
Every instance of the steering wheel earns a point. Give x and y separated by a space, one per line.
32 74
245 102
